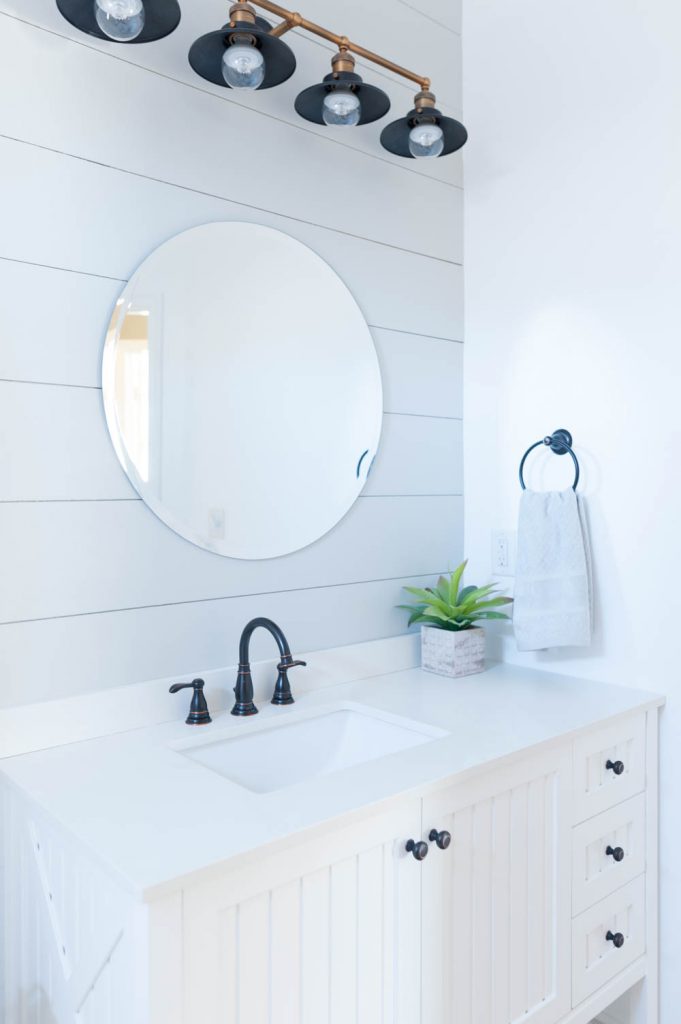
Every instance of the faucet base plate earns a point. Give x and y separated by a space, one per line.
246 708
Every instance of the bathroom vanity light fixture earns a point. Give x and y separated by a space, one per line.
247 53
342 98
123 21
424 132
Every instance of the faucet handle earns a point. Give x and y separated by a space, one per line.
282 691
198 711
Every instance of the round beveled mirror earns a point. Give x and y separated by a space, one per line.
242 390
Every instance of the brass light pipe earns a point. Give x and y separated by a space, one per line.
291 19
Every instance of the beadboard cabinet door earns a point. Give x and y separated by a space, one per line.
325 932
496 902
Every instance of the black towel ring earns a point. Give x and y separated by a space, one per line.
560 442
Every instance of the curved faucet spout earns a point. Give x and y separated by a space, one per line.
243 690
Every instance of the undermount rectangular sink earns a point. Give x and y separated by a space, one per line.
273 755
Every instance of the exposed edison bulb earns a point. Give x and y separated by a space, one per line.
426 140
243 66
121 20
341 106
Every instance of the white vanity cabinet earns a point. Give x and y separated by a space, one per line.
507 923
536 901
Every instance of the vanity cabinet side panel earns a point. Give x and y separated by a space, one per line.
75 941
323 932
496 903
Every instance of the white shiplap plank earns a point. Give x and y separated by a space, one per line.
435 54
71 558
418 455
55 446
52 324
421 375
198 150
49 658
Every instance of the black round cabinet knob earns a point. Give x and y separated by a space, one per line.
616 938
615 766
616 852
418 849
441 839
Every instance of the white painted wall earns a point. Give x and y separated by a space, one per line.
573 250
104 153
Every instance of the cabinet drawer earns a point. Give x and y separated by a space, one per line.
622 747
596 959
595 873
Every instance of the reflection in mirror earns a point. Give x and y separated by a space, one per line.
242 390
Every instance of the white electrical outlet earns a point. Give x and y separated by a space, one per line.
503 552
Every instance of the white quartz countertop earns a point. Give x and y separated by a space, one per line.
156 817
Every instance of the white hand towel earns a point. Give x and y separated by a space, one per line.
552 600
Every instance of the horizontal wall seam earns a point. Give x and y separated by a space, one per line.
422 415
63 270
64 501
429 17
226 597
416 334
221 199
195 87
108 501
439 494
50 384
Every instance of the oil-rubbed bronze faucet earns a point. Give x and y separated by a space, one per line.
243 690
198 712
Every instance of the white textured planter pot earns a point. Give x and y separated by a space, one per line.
452 654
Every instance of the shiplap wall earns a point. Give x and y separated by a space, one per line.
107 151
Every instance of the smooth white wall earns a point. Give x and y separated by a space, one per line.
105 152
573 252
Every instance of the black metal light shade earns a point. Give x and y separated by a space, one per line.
161 17
373 102
205 55
395 136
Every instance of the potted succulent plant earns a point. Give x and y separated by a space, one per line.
451 642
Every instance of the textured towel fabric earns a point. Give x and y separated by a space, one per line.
552 600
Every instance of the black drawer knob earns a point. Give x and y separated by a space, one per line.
616 852
441 839
418 849
615 766
616 938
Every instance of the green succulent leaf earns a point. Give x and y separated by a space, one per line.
454 582
450 606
